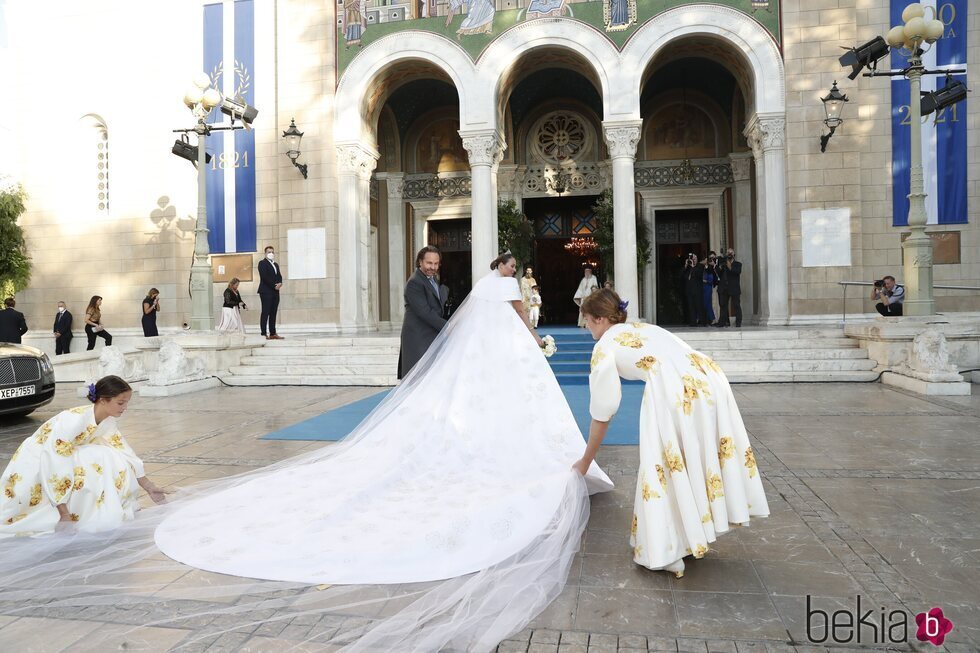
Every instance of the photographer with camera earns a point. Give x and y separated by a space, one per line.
729 290
891 295
693 276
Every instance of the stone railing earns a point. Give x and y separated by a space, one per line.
430 186
701 172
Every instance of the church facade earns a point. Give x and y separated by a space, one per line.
424 119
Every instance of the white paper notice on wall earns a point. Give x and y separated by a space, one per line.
307 254
826 237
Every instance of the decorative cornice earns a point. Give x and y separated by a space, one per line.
741 166
357 158
765 133
622 138
484 148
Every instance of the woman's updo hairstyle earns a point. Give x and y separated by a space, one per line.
604 303
500 260
107 388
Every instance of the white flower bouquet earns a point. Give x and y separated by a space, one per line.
549 347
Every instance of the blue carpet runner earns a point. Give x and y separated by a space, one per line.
570 364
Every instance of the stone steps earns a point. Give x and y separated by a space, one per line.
314 380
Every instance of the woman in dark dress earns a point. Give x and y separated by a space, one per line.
151 306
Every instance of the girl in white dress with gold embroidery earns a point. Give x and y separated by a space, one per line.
76 471
697 472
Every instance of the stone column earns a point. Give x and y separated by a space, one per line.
356 162
396 246
485 150
767 135
741 163
621 139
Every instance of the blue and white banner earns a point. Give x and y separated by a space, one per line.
943 132
229 58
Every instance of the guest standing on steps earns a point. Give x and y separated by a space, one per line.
93 323
151 306
424 304
730 290
270 281
62 330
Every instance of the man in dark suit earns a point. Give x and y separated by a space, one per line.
270 281
424 304
730 289
12 322
693 276
62 330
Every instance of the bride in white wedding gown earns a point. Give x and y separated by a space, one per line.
463 474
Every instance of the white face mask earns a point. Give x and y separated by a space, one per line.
61 309
270 256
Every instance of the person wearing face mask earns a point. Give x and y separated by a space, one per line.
62 330
270 281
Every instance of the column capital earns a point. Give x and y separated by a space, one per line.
765 132
741 165
357 158
395 181
484 147
622 137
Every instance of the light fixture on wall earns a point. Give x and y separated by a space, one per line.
293 138
833 105
559 181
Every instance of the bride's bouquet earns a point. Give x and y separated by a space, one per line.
549 347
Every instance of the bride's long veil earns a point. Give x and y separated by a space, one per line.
123 578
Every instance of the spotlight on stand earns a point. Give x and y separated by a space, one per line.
238 110
944 97
866 55
185 150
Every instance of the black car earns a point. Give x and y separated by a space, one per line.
26 379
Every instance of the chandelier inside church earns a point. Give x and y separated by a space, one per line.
582 247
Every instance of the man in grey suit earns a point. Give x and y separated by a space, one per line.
424 305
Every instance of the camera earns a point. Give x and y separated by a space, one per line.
880 283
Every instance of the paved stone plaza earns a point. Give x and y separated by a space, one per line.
874 492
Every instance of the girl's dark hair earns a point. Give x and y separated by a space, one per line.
500 260
109 387
604 303
91 302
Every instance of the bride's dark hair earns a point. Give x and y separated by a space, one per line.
500 260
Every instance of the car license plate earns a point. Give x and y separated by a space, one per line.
22 391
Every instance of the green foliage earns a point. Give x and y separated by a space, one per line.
603 235
15 264
514 232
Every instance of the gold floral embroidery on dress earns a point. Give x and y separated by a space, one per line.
647 363
60 486
101 499
633 527
726 450
14 457
79 410
700 551
121 480
630 339
97 467
14 520
74 517
662 476
79 478
693 388
702 363
85 435
637 325
750 462
35 495
597 355
673 459
8 487
706 519
714 486
63 448
637 550
116 442
43 434
649 492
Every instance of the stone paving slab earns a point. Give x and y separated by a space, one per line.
873 492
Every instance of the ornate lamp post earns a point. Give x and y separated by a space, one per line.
201 98
918 276
833 105
293 138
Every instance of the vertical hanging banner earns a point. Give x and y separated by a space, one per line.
229 57
943 132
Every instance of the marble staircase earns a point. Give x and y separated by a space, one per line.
749 355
